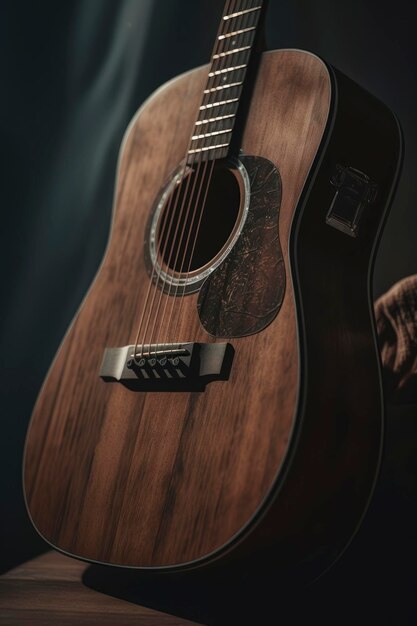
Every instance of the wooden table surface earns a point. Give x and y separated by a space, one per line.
49 590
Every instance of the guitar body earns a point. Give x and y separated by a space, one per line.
280 458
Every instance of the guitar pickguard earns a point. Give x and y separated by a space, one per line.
245 293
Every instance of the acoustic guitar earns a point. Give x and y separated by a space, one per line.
217 399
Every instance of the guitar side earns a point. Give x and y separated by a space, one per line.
280 454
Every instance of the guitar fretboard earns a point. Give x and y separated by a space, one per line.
232 50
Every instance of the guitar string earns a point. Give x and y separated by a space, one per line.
175 249
197 158
244 23
186 222
158 253
182 297
164 235
175 242
162 230
214 83
198 212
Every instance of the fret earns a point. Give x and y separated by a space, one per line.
228 52
228 69
225 73
236 32
212 136
219 83
245 38
210 105
242 58
220 87
215 132
219 118
225 109
232 15
206 148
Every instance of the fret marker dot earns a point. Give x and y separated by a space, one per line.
233 43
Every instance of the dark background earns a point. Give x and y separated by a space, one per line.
72 75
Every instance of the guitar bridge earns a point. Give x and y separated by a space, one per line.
167 367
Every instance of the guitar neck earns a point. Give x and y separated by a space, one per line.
236 40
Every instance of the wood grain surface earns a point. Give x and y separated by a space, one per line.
49 590
152 479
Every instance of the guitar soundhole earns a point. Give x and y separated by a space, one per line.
199 218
